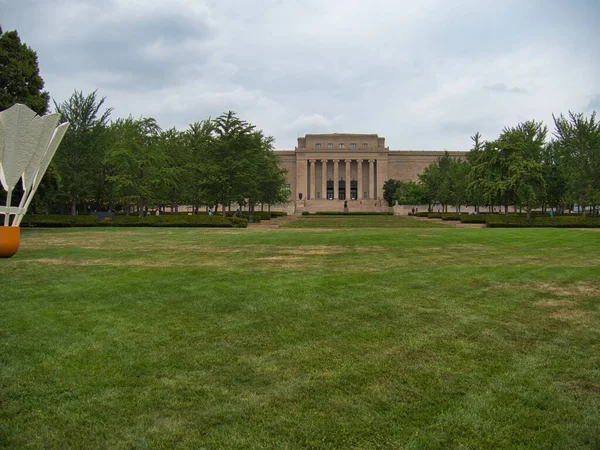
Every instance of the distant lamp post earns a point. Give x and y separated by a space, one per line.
27 144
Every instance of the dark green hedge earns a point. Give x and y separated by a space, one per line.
422 214
453 216
434 215
501 221
353 213
61 221
475 218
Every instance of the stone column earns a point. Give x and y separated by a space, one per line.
359 176
301 169
372 179
324 179
311 183
381 176
347 161
336 178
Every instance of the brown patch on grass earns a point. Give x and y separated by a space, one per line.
552 303
571 315
281 258
587 386
579 290
309 250
121 263
467 247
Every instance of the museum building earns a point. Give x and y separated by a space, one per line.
327 170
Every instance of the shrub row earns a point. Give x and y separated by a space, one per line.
500 221
475 218
61 221
258 215
278 213
352 213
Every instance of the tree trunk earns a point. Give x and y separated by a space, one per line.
74 206
528 210
506 210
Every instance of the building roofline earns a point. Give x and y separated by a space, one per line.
340 134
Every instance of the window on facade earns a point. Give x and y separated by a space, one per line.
329 145
365 145
352 145
341 145
318 145
288 187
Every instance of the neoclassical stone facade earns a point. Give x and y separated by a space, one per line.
326 170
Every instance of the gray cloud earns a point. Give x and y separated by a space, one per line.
594 104
503 88
426 75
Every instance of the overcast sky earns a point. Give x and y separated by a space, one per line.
425 74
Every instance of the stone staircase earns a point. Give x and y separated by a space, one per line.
273 223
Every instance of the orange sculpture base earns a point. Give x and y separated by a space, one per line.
10 239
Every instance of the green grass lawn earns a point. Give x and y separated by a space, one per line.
301 338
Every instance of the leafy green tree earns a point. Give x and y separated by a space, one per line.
140 169
20 80
198 142
445 182
578 141
431 179
553 171
474 194
228 169
173 144
523 145
410 193
390 190
270 178
80 157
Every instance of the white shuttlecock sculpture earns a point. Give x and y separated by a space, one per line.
27 144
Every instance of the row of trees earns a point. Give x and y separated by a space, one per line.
104 163
132 162
521 168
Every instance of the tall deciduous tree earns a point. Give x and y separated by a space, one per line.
228 168
270 181
20 80
410 193
445 182
578 140
81 155
523 146
390 190
553 170
198 142
141 172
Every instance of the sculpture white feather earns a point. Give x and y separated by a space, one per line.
27 144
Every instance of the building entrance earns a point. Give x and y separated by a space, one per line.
342 190
330 190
